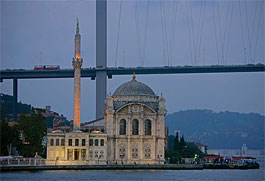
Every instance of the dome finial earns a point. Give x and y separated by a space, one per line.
134 77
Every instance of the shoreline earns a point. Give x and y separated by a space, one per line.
11 168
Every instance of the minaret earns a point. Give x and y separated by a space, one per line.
77 63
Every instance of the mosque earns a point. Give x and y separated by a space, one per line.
134 127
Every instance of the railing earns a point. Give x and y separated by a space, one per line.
24 161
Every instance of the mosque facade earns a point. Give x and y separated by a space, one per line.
134 127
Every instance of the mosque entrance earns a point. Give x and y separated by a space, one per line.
77 154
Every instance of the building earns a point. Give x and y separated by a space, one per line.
133 132
76 148
95 125
201 147
135 124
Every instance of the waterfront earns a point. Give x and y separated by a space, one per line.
111 175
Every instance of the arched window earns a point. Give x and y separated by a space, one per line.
96 142
102 142
148 127
90 142
135 127
122 127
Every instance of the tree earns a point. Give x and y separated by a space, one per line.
176 142
33 129
9 137
182 142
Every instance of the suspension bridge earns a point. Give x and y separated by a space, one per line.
249 30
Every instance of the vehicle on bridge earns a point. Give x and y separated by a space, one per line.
46 67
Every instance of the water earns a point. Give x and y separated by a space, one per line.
135 175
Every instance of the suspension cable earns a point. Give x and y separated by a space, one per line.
229 31
253 30
261 7
145 31
248 34
243 38
163 34
118 35
216 41
137 30
172 35
200 39
191 55
220 31
192 28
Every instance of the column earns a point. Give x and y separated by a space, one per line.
129 149
15 99
101 56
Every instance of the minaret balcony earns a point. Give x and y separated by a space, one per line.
77 62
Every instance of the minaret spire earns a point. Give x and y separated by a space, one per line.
77 26
77 41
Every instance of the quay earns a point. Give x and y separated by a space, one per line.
8 168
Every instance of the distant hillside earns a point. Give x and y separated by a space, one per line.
6 110
6 102
223 130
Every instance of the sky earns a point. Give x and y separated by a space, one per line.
160 33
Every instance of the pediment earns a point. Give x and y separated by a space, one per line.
136 108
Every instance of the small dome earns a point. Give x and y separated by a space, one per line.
134 88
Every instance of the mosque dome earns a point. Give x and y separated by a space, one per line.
134 88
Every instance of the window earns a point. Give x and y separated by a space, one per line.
135 127
90 142
70 142
122 151
83 154
147 151
90 153
62 142
102 142
122 127
52 142
96 154
134 151
57 142
96 142
102 154
147 126
83 142
76 142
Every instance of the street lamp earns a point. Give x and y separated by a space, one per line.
195 157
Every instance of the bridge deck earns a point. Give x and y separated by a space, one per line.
91 72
